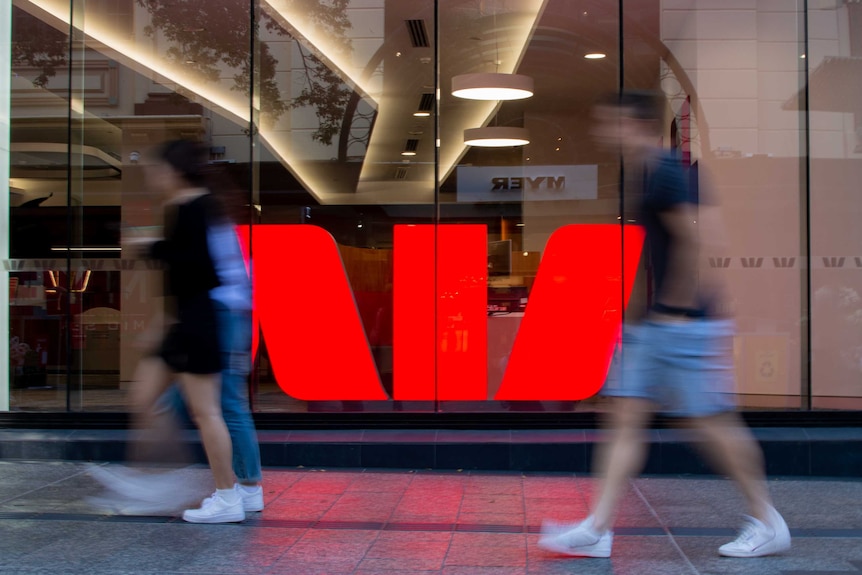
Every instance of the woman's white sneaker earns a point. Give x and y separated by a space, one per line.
216 509
252 498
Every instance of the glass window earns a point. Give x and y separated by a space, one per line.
524 198
727 78
834 64
404 257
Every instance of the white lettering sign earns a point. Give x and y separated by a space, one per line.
527 183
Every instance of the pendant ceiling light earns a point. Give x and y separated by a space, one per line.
496 137
492 86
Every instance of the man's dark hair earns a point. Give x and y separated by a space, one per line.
187 158
643 104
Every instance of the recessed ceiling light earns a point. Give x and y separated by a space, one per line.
408 153
595 56
421 114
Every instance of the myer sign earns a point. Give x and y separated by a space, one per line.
527 183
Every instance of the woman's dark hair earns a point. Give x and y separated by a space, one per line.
190 159
233 199
186 157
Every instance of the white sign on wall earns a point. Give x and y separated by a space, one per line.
527 183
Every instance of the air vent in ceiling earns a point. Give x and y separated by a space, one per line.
401 173
426 103
418 33
411 145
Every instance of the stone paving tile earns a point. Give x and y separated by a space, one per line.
472 503
21 539
381 482
360 507
418 523
311 507
462 570
551 488
408 518
396 571
485 484
409 552
313 568
824 504
510 555
491 518
322 483
437 482
443 507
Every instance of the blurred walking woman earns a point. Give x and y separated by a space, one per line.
189 353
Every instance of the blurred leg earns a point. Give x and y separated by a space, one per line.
152 377
621 457
202 397
732 449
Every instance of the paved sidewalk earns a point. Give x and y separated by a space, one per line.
367 522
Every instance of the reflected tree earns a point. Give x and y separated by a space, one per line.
322 88
38 45
208 34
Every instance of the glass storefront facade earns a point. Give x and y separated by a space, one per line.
396 267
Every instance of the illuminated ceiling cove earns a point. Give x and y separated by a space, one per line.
377 57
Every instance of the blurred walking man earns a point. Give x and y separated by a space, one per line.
678 359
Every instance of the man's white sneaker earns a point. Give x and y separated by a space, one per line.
577 540
757 538
252 498
215 509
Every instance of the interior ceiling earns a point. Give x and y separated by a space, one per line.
545 39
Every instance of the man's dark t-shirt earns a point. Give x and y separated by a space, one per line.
666 186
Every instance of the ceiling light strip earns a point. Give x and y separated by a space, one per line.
297 20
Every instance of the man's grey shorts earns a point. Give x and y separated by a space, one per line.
685 366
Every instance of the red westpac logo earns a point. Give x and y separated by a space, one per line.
318 347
